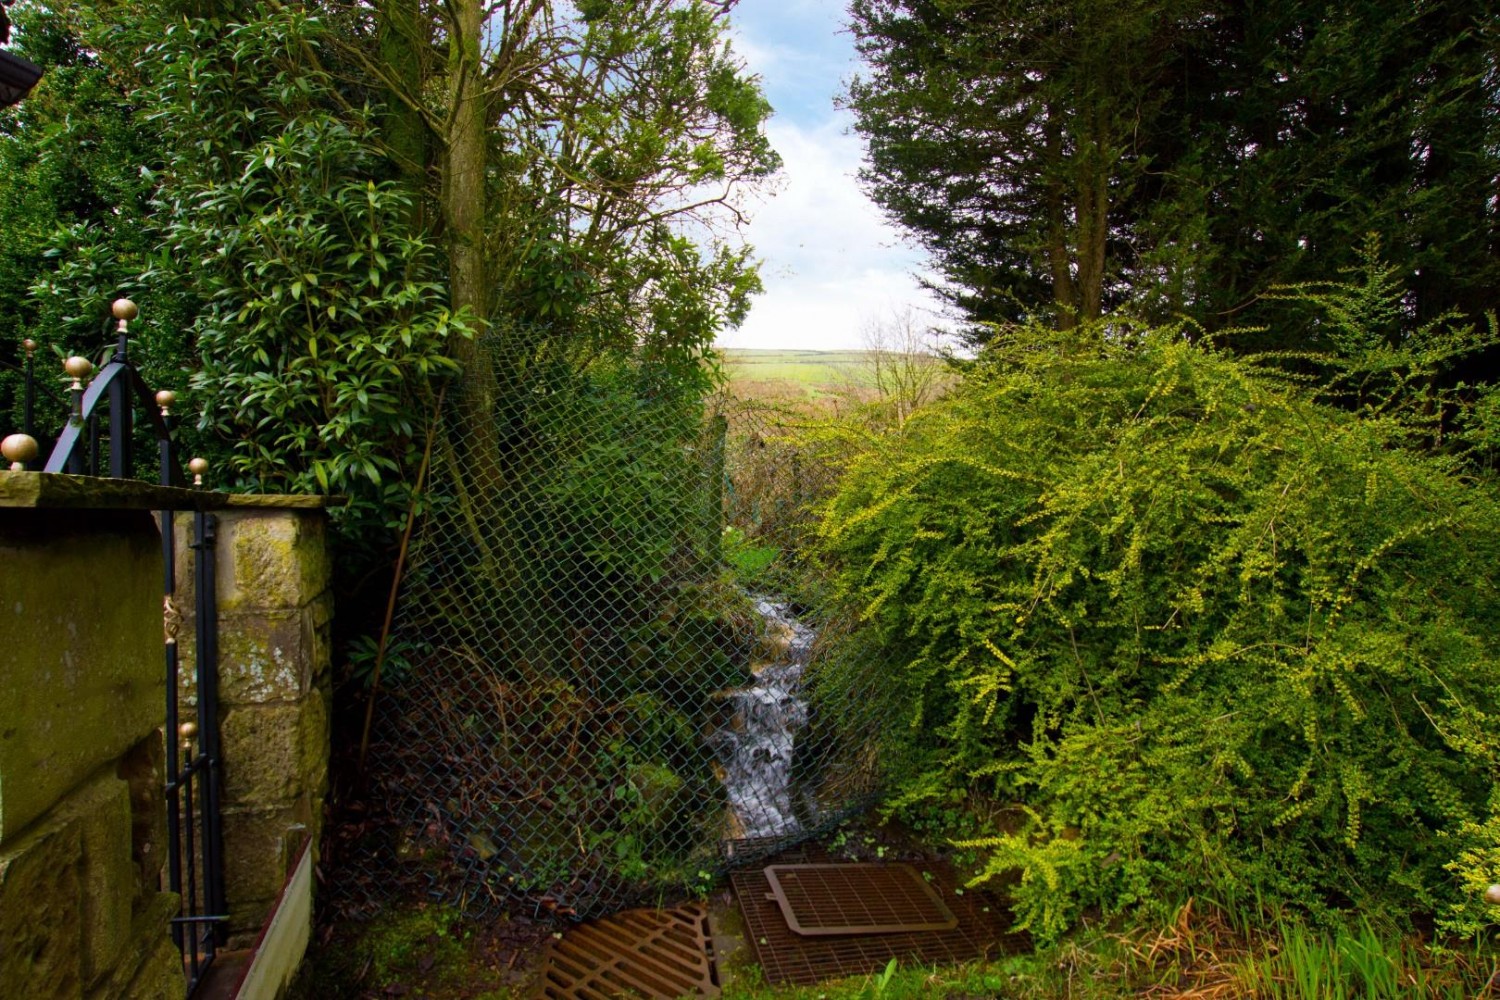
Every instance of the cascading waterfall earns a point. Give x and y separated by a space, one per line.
756 750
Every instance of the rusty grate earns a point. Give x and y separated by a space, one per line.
785 957
650 954
861 898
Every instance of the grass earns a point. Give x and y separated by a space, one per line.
804 371
1198 955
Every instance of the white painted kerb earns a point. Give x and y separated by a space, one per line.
285 939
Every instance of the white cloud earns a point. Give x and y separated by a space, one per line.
831 263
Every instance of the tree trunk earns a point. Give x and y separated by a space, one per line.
1059 259
463 204
404 36
1093 231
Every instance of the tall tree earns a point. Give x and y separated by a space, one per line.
1006 136
578 153
1208 150
571 162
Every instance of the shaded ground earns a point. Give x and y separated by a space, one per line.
1192 952
422 953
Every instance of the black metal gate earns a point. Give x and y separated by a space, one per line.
101 415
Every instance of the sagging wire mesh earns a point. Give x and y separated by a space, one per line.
611 676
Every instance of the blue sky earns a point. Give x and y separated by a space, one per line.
831 264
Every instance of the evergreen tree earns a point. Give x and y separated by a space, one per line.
1063 158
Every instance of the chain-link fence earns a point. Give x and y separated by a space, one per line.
613 673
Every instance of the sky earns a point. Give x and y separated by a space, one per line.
831 264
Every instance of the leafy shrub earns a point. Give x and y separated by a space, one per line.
323 325
1216 635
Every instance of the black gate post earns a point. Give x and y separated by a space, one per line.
206 621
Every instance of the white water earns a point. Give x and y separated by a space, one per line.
756 750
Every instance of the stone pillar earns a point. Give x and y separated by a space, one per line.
82 821
275 610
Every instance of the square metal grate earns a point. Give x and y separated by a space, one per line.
650 954
864 898
785 957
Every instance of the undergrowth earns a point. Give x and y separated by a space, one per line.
1200 953
409 951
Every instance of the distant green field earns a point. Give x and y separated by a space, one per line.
809 369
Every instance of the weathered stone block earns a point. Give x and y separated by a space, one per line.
41 922
160 977
143 770
257 842
184 591
315 562
275 752
151 968
318 636
262 550
321 610
262 657
278 559
81 665
102 811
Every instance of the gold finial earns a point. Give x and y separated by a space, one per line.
198 466
187 730
78 369
18 449
1492 895
166 399
29 346
124 310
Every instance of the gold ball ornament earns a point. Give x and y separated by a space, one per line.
124 310
78 368
18 449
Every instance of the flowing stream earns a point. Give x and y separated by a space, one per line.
756 749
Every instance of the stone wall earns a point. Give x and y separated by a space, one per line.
82 822
82 701
275 610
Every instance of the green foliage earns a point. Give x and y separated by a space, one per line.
1348 963
421 947
323 326
230 165
1214 633
994 142
585 609
1183 158
399 657
618 165
1377 361
74 208
748 560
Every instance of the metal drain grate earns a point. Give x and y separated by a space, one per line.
786 957
650 954
820 900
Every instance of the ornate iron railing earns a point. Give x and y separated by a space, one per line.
101 411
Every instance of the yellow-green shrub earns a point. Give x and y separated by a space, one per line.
1219 637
